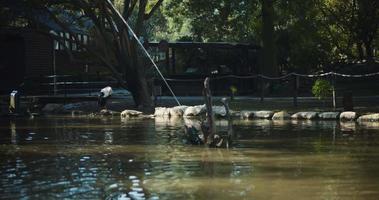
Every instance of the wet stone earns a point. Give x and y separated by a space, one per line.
247 114
348 116
264 114
369 118
130 113
305 115
329 115
281 115
219 111
161 112
177 111
52 108
194 110
106 112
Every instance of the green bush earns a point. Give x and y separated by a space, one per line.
233 91
322 89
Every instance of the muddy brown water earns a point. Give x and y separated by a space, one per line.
80 158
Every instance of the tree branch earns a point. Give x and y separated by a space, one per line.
155 7
129 10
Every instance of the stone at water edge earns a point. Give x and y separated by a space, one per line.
192 122
235 114
52 108
329 115
245 114
348 116
107 112
263 114
131 113
369 118
194 110
162 111
219 111
177 111
305 115
281 115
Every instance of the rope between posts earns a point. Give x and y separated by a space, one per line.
279 77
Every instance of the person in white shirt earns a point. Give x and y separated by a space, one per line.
104 94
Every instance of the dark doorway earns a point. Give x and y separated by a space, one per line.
12 62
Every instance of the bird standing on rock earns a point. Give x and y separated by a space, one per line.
103 96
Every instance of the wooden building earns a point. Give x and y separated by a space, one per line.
181 61
23 53
29 60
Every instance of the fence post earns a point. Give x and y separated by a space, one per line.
334 91
296 87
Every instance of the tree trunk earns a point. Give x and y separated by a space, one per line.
134 71
137 85
269 67
369 50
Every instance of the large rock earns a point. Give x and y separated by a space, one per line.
162 112
235 114
264 114
245 114
86 106
194 110
348 116
131 113
192 122
106 112
305 115
329 115
52 108
177 111
281 115
219 111
369 118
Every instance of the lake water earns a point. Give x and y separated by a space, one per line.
80 158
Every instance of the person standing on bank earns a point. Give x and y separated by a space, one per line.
104 94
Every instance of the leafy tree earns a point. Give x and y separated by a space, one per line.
352 27
322 89
308 36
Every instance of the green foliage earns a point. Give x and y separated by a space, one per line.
233 91
309 35
322 89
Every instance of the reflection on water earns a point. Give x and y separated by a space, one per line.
78 158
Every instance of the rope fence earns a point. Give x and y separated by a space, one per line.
280 77
293 79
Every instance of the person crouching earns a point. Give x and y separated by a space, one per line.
104 94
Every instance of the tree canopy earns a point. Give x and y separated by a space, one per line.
308 35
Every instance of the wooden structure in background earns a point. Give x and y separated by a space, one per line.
180 58
186 61
23 53
28 60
